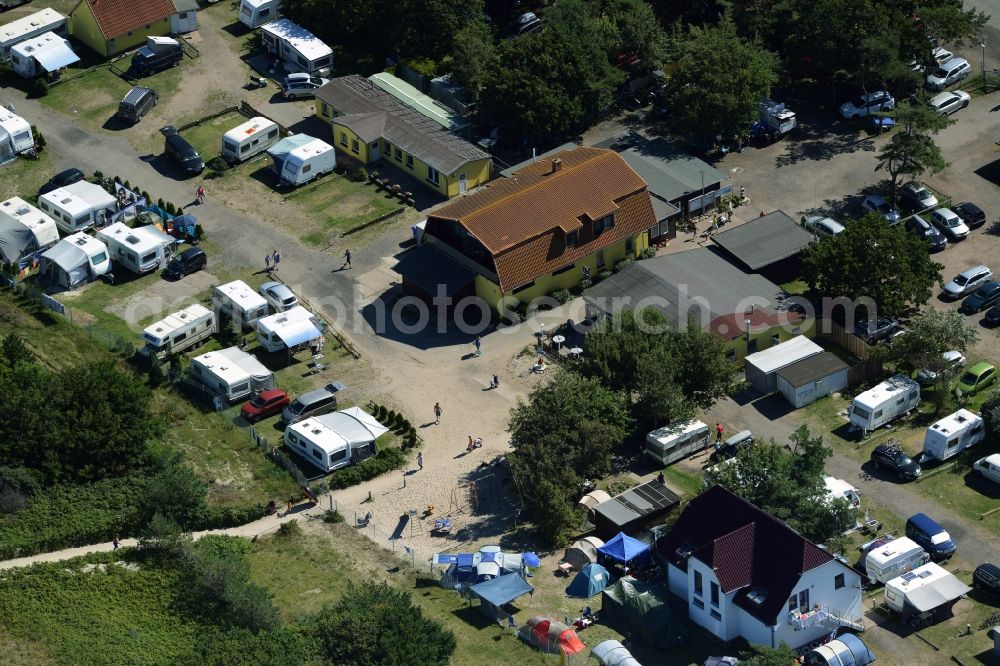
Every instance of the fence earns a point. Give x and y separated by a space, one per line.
843 338
246 109
864 372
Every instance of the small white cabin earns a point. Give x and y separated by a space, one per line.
248 139
24 229
840 489
299 159
923 590
76 260
301 50
952 435
139 249
335 440
15 32
239 302
894 559
886 402
255 13
78 206
15 135
231 373
288 329
675 441
179 331
45 54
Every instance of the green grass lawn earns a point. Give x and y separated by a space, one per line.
207 136
23 176
338 204
688 483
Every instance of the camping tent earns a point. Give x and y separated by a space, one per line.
592 579
613 653
847 650
550 635
624 549
582 552
642 609
592 499
496 592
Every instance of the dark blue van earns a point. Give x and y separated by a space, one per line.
930 536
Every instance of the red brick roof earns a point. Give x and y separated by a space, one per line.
119 17
732 326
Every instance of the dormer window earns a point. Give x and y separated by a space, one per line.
572 238
604 224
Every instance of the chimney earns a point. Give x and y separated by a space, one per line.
747 322
556 165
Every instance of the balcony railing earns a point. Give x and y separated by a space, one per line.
823 614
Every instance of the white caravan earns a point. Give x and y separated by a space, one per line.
78 206
76 260
840 489
952 435
179 331
231 373
886 402
45 54
675 441
140 250
255 13
30 26
894 559
301 50
239 302
35 230
248 139
924 589
299 159
335 440
288 329
15 135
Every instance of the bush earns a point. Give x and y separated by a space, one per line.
387 460
513 318
585 284
390 417
604 275
622 265
424 66
38 88
561 295
290 529
333 517
39 141
648 253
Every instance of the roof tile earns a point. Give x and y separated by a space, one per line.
118 17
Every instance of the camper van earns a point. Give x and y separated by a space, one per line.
41 227
952 435
251 138
78 206
301 50
288 329
46 54
158 54
179 331
15 135
140 250
33 25
335 440
886 402
840 489
299 159
675 441
255 13
893 559
230 373
239 302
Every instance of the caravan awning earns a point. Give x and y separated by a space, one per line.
502 590
941 591
56 56
66 255
298 332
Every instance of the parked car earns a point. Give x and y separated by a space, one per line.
526 22
918 195
968 281
976 378
873 203
189 261
301 84
931 536
891 457
941 54
986 296
278 296
993 316
950 101
989 467
950 224
882 328
971 214
953 359
183 152
950 71
732 445
866 104
921 228
987 576
823 226
61 179
265 404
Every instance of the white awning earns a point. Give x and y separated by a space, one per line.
941 591
295 333
56 56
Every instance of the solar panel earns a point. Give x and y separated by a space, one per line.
909 576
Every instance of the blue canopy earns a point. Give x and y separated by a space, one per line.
501 590
531 559
623 548
591 580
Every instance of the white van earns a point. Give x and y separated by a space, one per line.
239 302
179 331
952 435
675 441
248 139
886 402
255 13
139 249
893 559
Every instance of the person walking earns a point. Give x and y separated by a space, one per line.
275 259
479 345
469 447
437 413
347 259
267 263
116 542
201 194
420 459
496 381
718 433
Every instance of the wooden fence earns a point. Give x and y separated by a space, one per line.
843 338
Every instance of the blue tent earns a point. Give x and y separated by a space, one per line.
496 592
624 549
590 581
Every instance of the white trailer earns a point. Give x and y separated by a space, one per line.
15 135
255 13
288 329
886 402
335 440
840 489
240 303
78 206
230 373
140 250
299 159
952 435
76 260
923 590
248 139
179 331
33 25
894 559
300 50
45 54
675 441
778 118
41 229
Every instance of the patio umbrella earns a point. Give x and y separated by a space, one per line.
531 560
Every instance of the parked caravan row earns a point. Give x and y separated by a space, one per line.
238 301
33 25
231 373
179 331
78 206
884 403
139 249
248 139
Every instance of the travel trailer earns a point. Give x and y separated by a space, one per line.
230 373
248 139
255 13
337 439
886 402
240 303
300 50
78 206
24 229
76 260
140 250
952 435
33 25
15 135
895 558
288 329
179 331
923 590
299 159
840 489
673 442
45 54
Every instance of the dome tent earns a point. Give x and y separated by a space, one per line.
591 580
550 635
582 552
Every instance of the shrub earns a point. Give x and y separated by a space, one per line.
390 417
387 460
290 529
160 204
424 66
38 88
604 275
170 208
622 265
39 141
199 230
585 284
648 253
332 517
561 295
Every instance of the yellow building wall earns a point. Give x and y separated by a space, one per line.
347 148
476 173
763 338
85 29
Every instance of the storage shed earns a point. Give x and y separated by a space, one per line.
762 367
812 378
634 510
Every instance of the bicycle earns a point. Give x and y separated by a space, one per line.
865 476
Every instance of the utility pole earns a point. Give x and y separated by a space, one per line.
983 46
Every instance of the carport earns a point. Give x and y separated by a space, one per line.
764 242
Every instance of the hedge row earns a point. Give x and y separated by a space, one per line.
386 460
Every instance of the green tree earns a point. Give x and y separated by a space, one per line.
221 577
374 624
719 81
761 655
284 646
14 351
637 31
473 56
871 259
928 337
911 151
176 492
991 415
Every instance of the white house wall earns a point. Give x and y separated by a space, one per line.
677 581
820 582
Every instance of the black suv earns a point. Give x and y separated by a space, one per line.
881 329
971 214
61 179
921 228
189 261
987 577
178 147
893 458
982 298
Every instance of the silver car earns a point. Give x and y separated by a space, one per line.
968 281
948 73
950 101
278 296
823 226
918 195
864 105
301 85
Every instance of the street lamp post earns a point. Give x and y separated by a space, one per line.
702 172
983 46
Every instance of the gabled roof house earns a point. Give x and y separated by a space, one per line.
112 26
744 573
